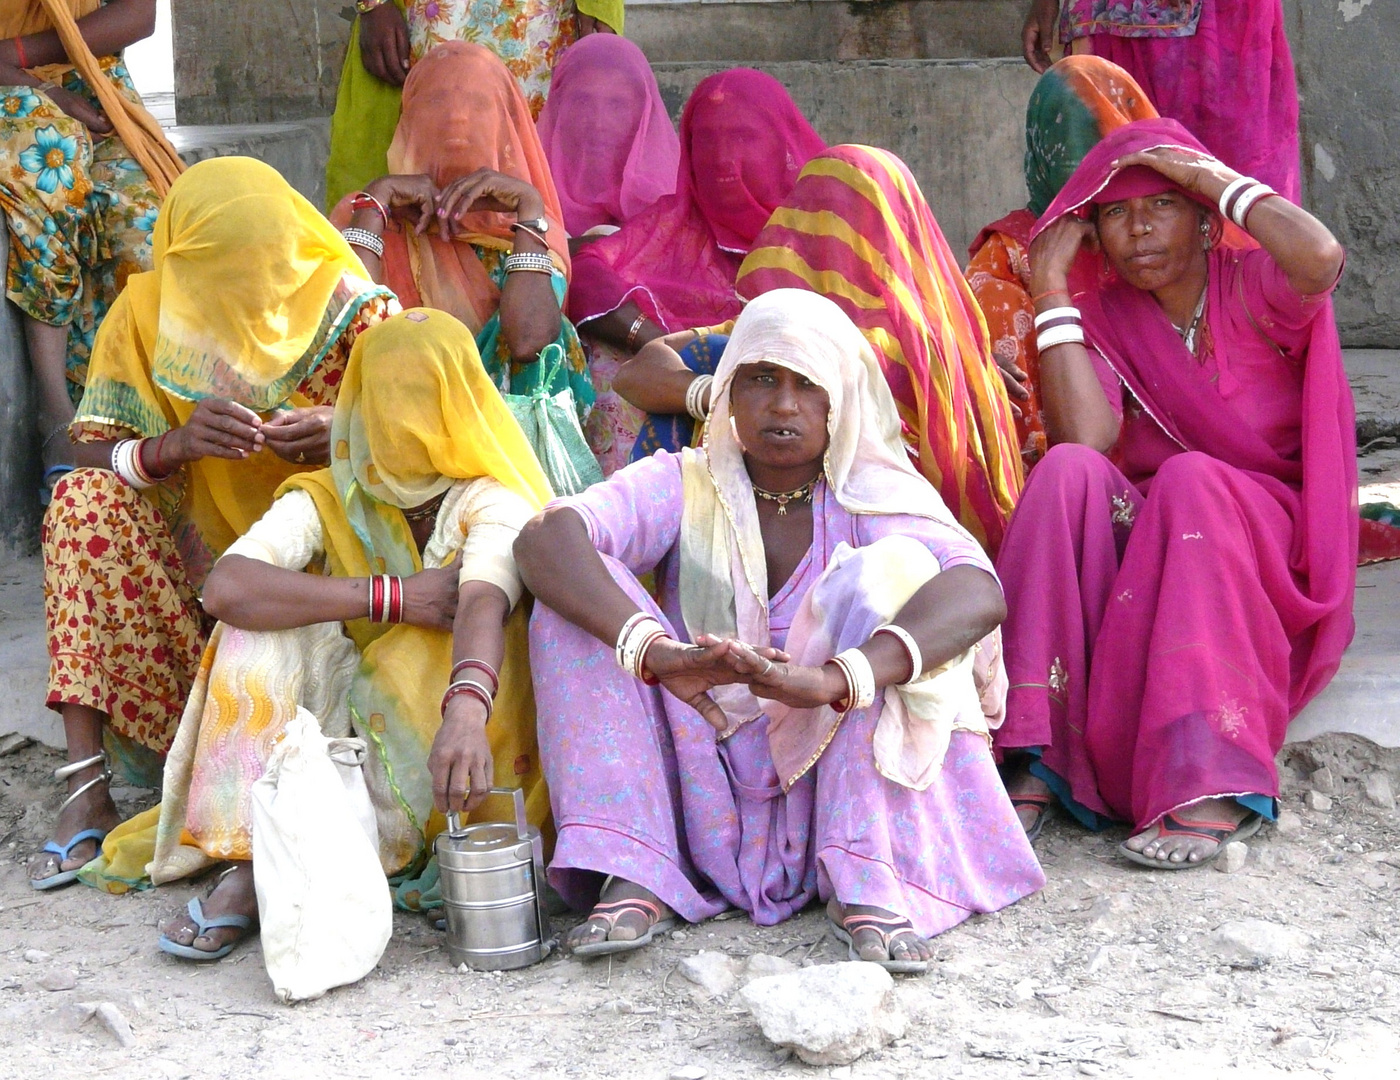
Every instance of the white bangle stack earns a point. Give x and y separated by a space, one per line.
529 262
916 657
1058 326
695 395
1239 198
363 238
126 463
637 635
860 680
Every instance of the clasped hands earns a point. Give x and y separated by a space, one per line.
222 428
415 199
690 671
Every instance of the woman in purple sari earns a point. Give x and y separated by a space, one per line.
797 716
1179 570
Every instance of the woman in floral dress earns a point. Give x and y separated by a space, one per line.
78 206
194 413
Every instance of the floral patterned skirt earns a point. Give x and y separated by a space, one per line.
125 627
80 213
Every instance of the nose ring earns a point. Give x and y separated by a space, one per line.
1147 230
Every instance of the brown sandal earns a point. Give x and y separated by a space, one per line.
610 912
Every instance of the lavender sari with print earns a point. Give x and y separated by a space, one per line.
642 788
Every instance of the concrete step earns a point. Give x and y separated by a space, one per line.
1363 699
745 33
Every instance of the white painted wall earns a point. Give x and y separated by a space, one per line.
152 62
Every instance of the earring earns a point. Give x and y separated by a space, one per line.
1206 244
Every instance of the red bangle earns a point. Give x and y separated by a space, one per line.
481 666
19 51
1053 292
396 599
647 677
363 199
475 689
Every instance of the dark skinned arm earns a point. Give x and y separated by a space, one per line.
107 30
656 379
1076 410
614 327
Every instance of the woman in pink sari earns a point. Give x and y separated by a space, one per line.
707 768
1174 604
743 142
612 150
1222 68
613 154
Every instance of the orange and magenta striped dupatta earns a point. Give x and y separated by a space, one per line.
857 230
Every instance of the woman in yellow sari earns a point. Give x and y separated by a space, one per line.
430 480
85 168
210 384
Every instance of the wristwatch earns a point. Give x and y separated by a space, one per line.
539 224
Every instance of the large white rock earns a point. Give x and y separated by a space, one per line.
1257 941
830 1014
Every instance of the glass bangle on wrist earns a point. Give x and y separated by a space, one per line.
363 238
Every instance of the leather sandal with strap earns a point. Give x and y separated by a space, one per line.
886 927
1043 804
609 912
62 851
1221 832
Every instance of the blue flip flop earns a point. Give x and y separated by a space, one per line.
63 877
189 952
50 477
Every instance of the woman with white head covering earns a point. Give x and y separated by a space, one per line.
797 715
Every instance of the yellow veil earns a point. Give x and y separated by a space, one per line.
249 289
416 413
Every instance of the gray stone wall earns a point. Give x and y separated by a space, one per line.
1349 78
19 445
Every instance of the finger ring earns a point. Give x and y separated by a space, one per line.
301 458
769 668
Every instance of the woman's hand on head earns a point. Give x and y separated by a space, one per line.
384 43
485 189
301 436
430 598
1196 172
460 761
410 197
1053 253
771 674
216 428
80 109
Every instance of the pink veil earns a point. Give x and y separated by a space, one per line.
743 142
601 92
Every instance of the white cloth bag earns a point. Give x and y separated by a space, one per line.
323 901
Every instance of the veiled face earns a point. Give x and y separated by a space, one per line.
1152 241
779 415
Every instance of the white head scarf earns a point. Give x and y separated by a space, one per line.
866 465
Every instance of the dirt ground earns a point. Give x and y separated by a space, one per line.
1110 970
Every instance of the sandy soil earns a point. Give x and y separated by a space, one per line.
1111 970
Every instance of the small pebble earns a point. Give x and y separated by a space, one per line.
1053 991
1379 791
1233 858
1316 800
678 935
36 956
1322 781
1290 823
427 1004
115 1022
688 1072
1024 990
59 979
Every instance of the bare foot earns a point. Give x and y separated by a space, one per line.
1188 848
234 895
1030 796
629 925
904 944
93 809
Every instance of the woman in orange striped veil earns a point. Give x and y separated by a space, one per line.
856 229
